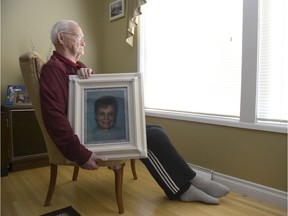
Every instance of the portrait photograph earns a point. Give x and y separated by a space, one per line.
106 116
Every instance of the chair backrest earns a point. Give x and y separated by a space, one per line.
31 64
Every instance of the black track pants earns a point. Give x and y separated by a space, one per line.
165 164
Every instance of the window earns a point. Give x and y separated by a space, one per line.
199 60
273 62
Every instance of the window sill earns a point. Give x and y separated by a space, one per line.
223 121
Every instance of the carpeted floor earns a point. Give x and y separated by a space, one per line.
68 211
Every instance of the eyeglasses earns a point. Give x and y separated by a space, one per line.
77 36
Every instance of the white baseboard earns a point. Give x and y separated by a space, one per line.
262 193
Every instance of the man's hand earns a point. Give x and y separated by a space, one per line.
91 164
84 73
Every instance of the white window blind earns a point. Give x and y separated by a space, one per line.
273 61
192 59
217 61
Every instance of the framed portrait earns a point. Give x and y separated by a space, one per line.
106 111
21 98
116 9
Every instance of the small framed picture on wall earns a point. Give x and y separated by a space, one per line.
116 9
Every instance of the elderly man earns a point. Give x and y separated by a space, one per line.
168 168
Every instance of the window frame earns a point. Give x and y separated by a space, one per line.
248 107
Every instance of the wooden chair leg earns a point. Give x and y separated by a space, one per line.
118 171
133 168
75 173
52 183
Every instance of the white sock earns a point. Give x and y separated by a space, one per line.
210 187
194 194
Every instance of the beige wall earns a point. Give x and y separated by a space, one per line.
256 156
23 21
117 55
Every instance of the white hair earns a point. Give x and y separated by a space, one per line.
61 26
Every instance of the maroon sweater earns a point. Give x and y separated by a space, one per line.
54 88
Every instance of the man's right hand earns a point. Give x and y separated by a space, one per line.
91 164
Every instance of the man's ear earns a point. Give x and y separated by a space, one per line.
60 37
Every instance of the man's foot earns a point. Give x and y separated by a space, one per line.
193 194
210 187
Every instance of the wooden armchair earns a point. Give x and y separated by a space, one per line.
31 64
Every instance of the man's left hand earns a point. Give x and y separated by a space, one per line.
84 73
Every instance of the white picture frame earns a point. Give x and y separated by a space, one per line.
126 139
116 9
